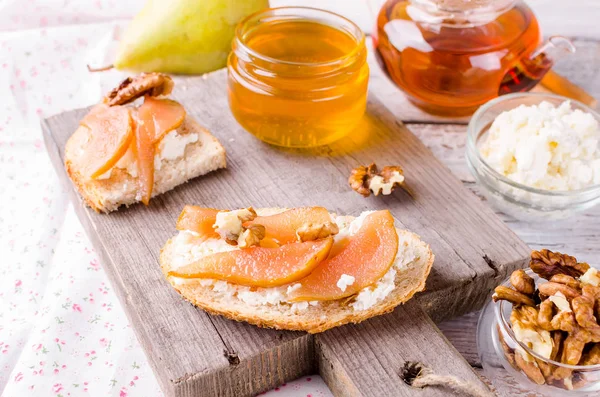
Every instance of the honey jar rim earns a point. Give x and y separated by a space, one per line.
356 33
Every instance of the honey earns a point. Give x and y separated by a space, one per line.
451 66
297 77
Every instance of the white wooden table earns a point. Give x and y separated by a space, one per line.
578 236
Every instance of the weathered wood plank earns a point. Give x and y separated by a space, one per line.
187 348
365 359
164 349
188 356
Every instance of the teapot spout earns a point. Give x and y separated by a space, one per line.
530 70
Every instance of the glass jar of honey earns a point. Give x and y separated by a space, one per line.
451 56
297 76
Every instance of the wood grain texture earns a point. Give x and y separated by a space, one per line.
365 359
193 353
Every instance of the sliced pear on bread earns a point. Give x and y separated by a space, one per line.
109 132
122 154
271 307
258 266
280 228
364 259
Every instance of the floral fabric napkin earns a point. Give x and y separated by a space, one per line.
62 330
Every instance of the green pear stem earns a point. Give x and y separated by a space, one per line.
101 69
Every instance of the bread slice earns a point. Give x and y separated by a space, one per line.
314 318
105 195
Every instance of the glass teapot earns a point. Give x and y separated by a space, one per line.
451 56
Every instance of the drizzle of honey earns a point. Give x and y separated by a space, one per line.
307 87
455 69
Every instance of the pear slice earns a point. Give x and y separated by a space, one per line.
366 257
280 228
258 266
109 136
199 220
182 36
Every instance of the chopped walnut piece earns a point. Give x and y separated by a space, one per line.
515 297
545 315
152 84
367 180
230 224
551 288
529 367
315 231
251 236
547 263
592 292
566 280
564 321
508 351
522 282
583 307
527 331
557 339
592 357
573 348
360 178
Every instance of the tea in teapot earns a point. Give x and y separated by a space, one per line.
451 56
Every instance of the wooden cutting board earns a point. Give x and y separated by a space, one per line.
195 354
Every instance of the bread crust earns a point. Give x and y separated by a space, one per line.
106 195
315 319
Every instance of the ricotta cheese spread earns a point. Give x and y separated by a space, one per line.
189 248
545 147
171 147
345 281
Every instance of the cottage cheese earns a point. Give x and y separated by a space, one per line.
189 247
345 281
545 147
171 147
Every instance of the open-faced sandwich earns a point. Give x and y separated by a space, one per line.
296 269
122 154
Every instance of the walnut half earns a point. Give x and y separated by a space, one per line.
368 179
547 264
152 84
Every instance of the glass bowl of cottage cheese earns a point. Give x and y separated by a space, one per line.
536 156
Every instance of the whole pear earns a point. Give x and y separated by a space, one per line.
182 36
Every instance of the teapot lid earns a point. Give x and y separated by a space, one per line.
460 12
468 5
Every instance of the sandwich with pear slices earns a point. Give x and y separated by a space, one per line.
296 269
123 153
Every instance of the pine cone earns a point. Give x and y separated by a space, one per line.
547 263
